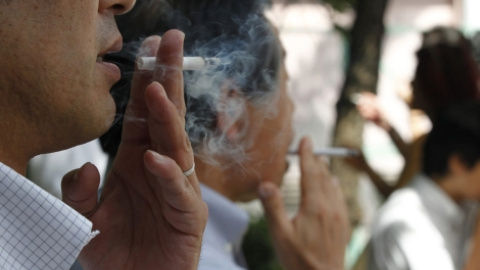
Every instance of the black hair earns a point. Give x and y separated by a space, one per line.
446 70
455 131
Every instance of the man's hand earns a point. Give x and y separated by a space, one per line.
316 237
150 215
369 108
359 161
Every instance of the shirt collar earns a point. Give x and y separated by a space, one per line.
224 216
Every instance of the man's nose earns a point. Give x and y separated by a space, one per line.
117 7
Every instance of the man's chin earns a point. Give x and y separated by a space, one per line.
97 127
107 124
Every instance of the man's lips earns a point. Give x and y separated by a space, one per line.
112 70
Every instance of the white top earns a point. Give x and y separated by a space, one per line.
48 170
37 231
226 226
420 227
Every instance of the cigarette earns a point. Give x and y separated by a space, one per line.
189 63
332 151
356 98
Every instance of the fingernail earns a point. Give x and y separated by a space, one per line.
265 192
153 38
146 48
182 35
86 164
157 156
159 88
308 143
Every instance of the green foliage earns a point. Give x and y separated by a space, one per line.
258 248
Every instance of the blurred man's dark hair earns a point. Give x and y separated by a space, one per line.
455 131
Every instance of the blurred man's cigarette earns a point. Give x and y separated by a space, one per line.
189 63
356 98
332 151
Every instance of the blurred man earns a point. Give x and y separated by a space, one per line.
239 122
430 223
55 94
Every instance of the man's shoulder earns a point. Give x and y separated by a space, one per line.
403 201
394 221
402 212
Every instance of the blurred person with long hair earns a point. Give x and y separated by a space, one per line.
446 72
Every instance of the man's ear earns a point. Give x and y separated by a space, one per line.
231 112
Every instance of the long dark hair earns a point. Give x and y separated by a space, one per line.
446 70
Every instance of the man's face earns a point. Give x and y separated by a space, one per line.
472 177
272 134
53 82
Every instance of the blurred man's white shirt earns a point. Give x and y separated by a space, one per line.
227 224
420 227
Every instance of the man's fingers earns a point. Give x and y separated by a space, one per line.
182 204
170 183
170 62
166 127
79 189
137 112
141 78
314 172
279 224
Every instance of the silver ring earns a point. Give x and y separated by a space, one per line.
190 171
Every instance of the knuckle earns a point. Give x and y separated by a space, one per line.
337 218
317 210
187 144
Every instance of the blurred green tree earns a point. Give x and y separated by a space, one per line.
361 75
